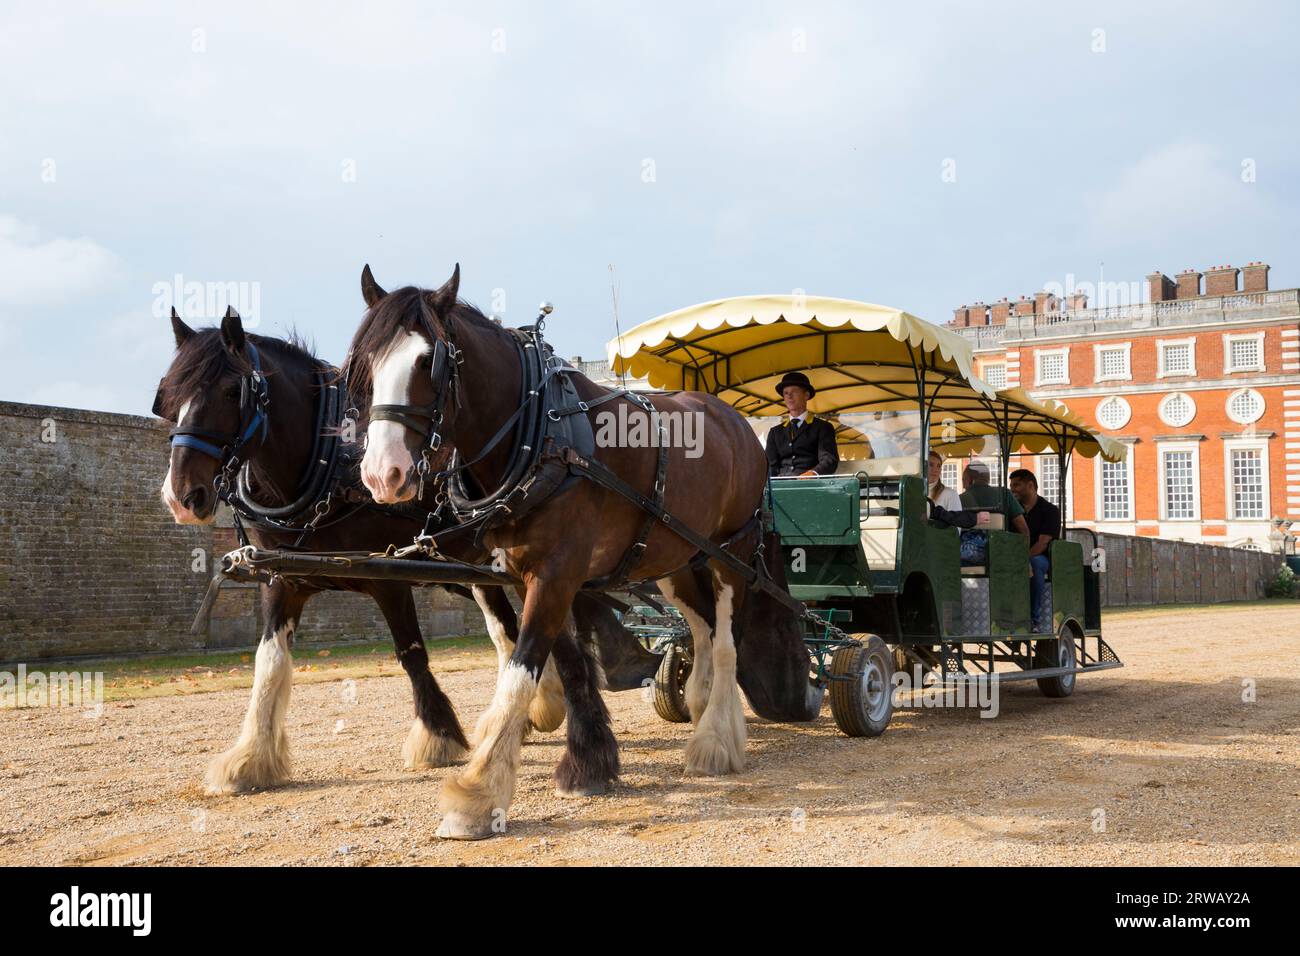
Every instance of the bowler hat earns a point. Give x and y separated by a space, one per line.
795 378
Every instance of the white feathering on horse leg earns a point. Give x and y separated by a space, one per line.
496 629
260 758
718 744
700 680
480 796
424 749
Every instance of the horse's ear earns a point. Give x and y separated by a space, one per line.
180 329
444 300
232 330
371 290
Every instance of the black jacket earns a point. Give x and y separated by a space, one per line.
793 453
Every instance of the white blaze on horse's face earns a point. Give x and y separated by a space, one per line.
388 468
171 496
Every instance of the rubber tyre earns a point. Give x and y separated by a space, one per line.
863 707
670 686
1058 652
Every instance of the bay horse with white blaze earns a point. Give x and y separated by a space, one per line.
441 378
248 400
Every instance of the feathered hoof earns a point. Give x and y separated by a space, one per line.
582 790
457 826
708 755
243 768
424 749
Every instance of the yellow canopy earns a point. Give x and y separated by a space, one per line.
859 357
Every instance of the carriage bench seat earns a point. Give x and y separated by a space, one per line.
880 541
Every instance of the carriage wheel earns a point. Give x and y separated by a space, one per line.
863 704
670 686
1057 653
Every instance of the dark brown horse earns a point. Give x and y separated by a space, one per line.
210 390
400 358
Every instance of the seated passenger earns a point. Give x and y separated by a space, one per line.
939 493
1044 521
803 446
983 497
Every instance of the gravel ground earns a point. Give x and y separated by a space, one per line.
1183 770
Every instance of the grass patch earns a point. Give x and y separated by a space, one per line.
184 674
1154 610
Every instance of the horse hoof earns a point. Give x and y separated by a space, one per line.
583 790
457 827
707 755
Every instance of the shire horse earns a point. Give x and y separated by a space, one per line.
441 377
211 392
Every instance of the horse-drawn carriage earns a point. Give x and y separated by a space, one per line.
484 440
859 547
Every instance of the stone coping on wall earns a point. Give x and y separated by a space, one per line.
83 415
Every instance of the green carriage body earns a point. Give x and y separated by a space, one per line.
915 599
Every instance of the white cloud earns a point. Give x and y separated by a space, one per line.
35 272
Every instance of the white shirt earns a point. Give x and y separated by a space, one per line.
948 499
801 419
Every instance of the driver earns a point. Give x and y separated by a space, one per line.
804 446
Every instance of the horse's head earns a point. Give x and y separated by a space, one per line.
402 364
215 393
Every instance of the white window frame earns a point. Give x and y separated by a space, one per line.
1229 338
1064 352
1160 357
984 368
1245 444
1067 498
1160 409
1099 509
1263 406
1195 449
1128 412
1126 348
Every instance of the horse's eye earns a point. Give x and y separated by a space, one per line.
426 362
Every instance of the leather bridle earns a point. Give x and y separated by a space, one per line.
427 420
254 400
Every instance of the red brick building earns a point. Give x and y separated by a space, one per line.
1202 382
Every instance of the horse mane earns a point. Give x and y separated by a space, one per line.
202 360
401 311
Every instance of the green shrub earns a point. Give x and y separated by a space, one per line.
1285 585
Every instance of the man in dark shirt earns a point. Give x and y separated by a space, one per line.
804 446
1044 521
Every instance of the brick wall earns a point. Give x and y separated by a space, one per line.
91 562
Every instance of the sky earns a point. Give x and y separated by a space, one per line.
917 155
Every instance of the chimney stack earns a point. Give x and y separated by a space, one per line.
1189 284
1024 306
1254 277
999 312
1076 301
1044 302
1221 280
979 314
1160 287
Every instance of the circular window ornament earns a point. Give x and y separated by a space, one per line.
1114 413
1177 410
1245 406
